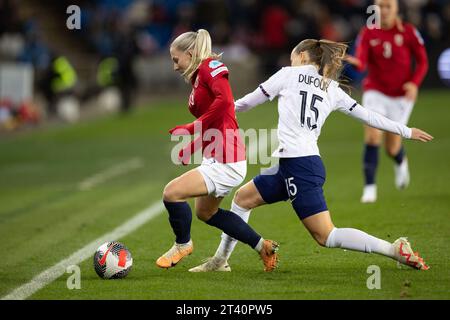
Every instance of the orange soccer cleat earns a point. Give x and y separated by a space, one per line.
175 254
269 255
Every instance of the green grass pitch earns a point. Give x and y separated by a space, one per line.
44 217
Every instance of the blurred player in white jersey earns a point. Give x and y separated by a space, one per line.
308 92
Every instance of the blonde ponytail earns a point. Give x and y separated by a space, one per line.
200 45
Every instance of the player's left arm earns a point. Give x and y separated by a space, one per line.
378 121
266 91
349 107
417 47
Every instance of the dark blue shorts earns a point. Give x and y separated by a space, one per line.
299 180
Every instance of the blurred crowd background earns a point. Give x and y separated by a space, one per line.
119 57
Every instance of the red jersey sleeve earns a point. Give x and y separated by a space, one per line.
211 71
419 52
362 49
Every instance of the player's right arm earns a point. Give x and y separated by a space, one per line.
349 106
250 100
265 92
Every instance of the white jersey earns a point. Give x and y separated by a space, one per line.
304 103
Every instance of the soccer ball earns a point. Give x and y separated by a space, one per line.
112 260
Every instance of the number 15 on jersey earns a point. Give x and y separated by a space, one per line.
312 109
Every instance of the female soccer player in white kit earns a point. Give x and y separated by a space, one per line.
307 93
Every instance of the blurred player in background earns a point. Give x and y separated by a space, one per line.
224 164
390 88
308 92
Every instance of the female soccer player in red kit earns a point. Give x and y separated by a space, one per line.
390 88
224 165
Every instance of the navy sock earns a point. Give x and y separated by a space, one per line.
235 227
180 218
370 163
400 155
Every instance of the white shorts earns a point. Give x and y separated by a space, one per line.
395 108
221 178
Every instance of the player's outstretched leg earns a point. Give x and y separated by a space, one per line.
231 224
323 230
219 262
245 199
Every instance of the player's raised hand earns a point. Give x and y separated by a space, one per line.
420 135
352 60
182 130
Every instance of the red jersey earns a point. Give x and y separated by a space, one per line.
211 102
387 54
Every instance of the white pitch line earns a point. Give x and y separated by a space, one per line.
56 271
112 172
53 273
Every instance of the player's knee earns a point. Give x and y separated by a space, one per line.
241 200
203 214
321 236
321 239
238 199
171 194
372 138
392 151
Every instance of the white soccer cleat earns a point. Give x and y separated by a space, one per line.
402 174
369 193
212 264
405 255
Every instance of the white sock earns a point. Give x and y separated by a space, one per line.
260 244
228 243
357 240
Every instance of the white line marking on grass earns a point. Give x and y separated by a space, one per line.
112 172
53 273
59 269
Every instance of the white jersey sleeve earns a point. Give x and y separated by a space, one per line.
272 86
345 104
250 101
266 91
